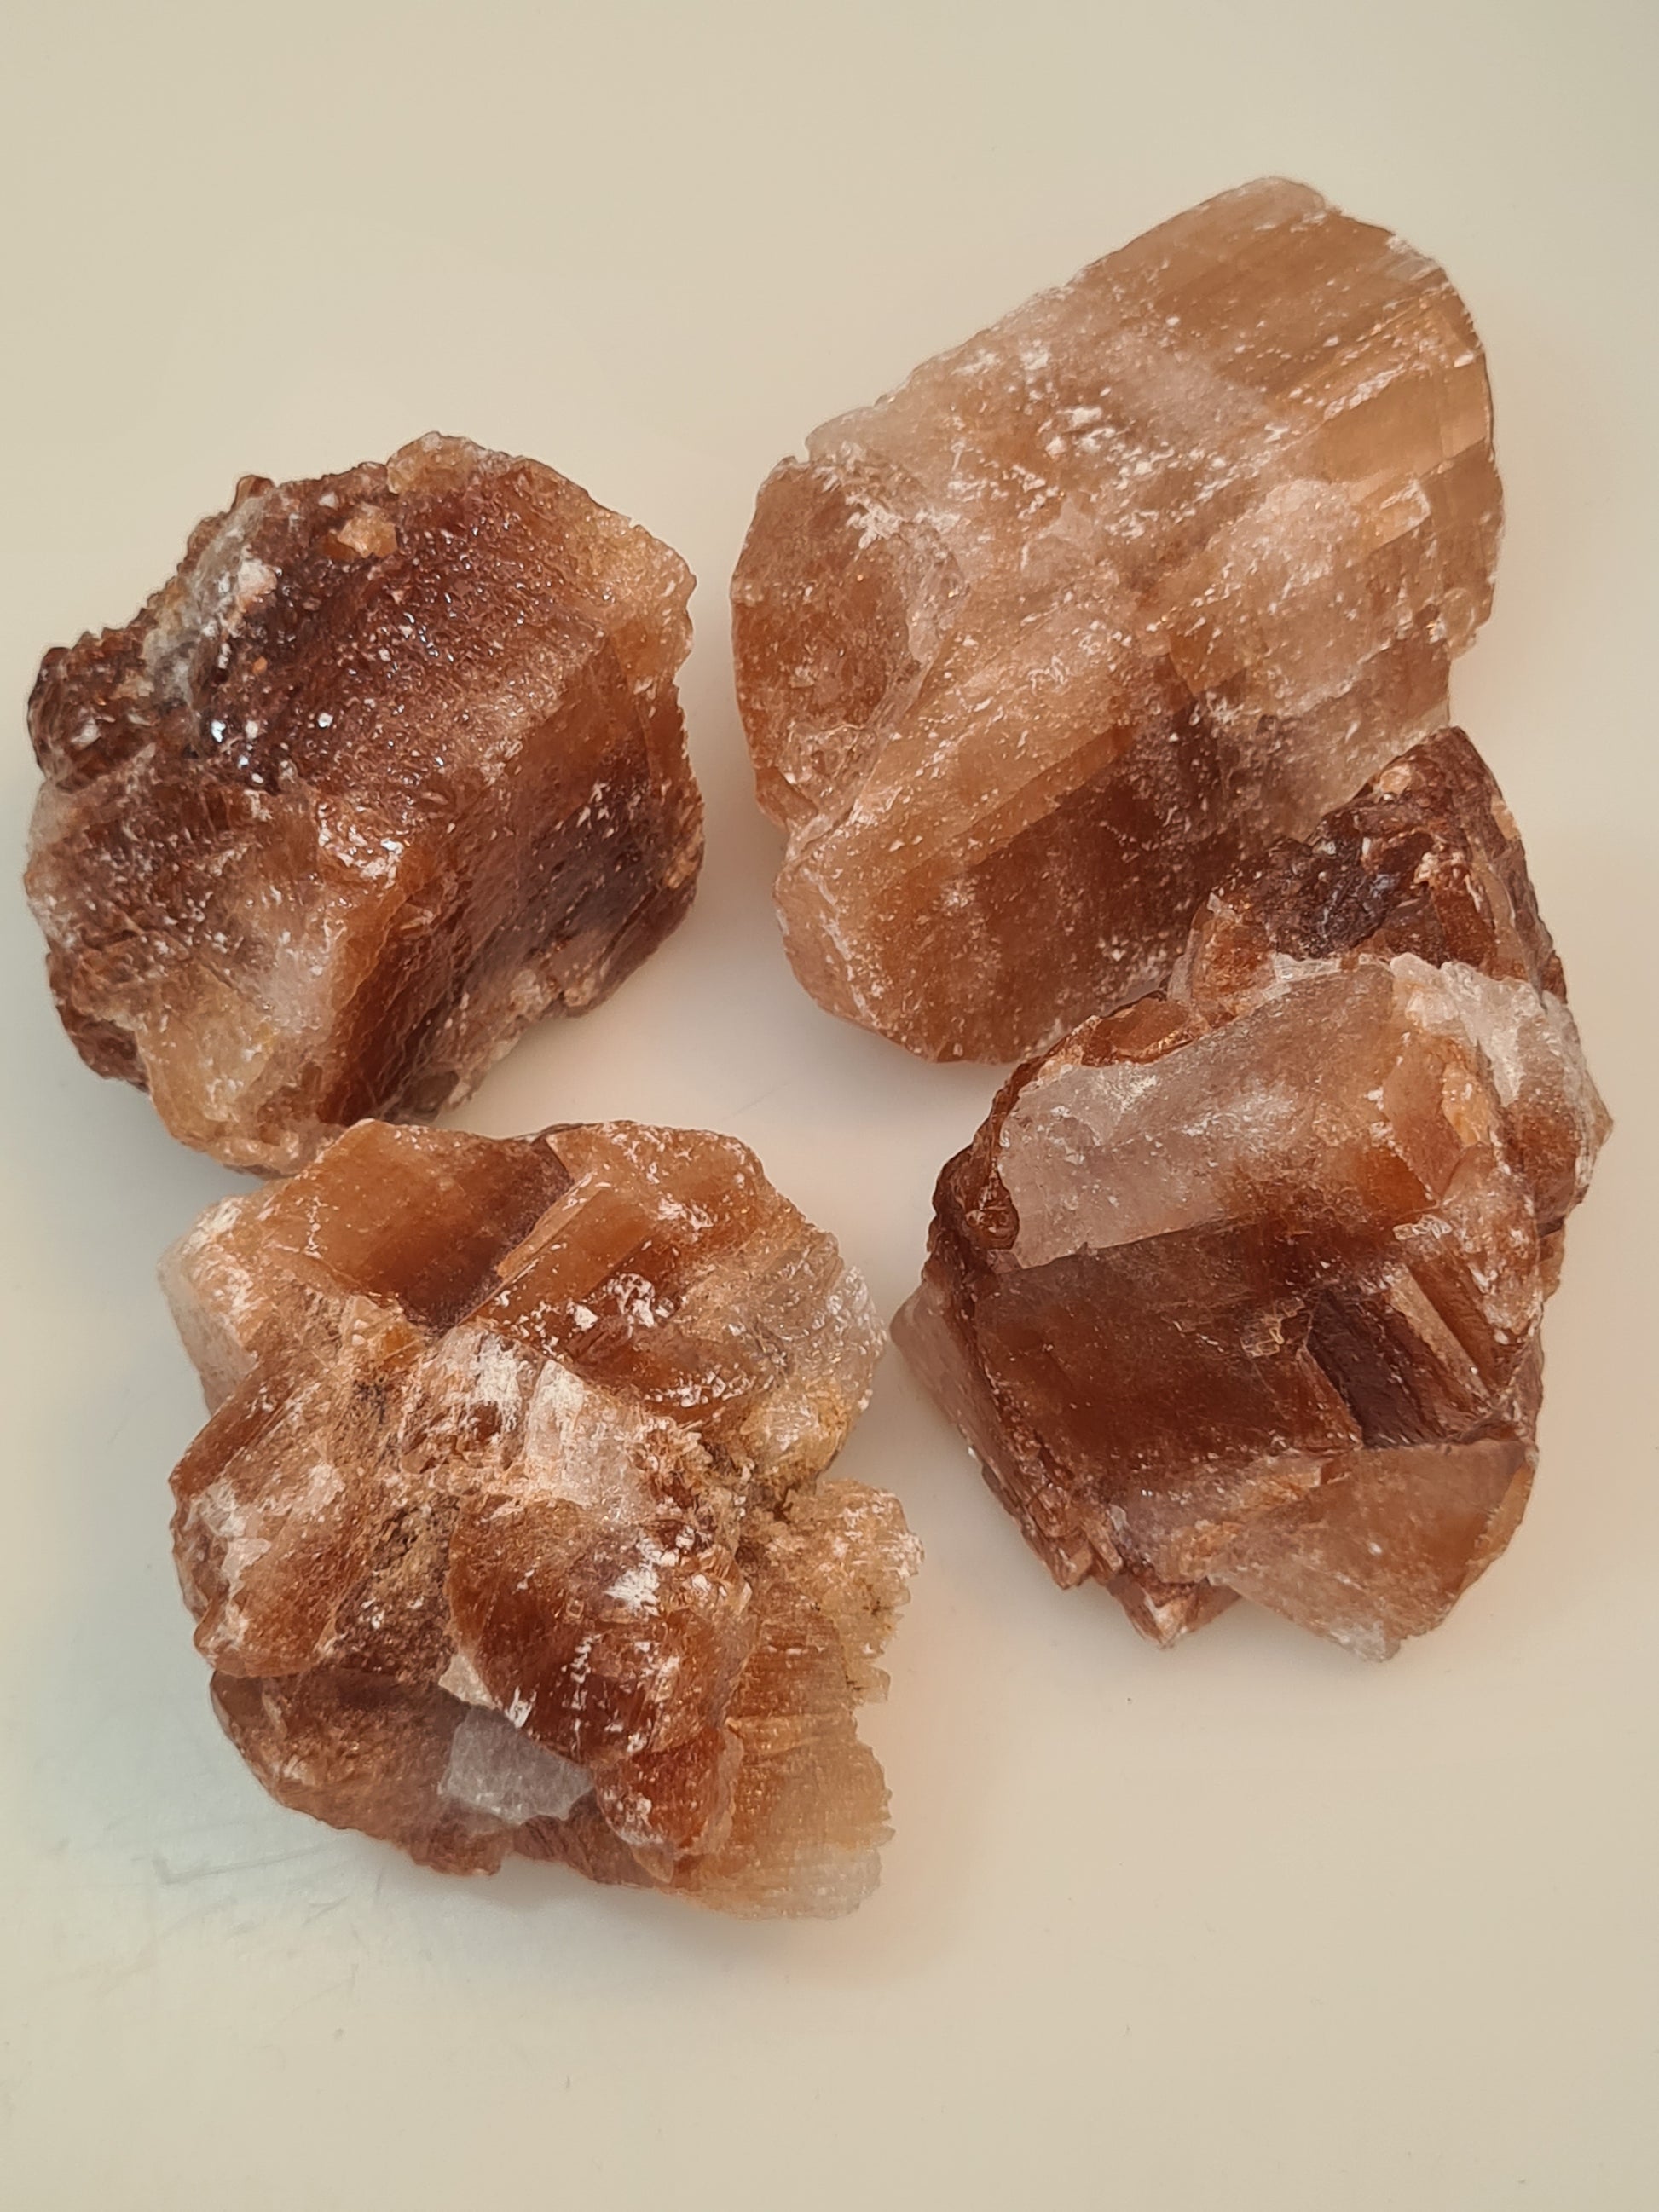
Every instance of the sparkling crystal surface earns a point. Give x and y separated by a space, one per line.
393 766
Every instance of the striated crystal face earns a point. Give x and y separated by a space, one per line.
392 767
1237 1291
509 1530
1037 648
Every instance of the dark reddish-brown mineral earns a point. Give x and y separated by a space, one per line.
393 766
508 1531
1237 1291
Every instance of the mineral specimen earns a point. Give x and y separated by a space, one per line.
1035 649
393 766
1237 1291
507 1533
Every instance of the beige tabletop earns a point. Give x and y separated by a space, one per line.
1250 1924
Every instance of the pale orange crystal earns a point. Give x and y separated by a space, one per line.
508 1532
392 767
1237 1291
1034 650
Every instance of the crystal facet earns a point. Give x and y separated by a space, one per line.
1237 1291
507 1532
1037 648
392 767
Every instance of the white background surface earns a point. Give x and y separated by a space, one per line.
1246 1924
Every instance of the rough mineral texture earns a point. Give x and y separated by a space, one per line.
1237 1291
1035 649
507 1532
392 767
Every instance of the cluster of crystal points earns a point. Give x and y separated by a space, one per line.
1237 1291
390 768
1037 648
508 1531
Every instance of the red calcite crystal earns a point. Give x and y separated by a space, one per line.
393 766
1034 650
1237 1291
508 1531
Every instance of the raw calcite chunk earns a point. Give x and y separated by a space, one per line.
1237 1291
1034 650
393 766
508 1531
